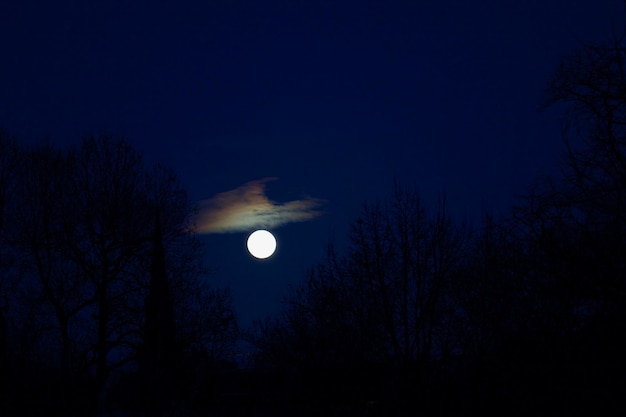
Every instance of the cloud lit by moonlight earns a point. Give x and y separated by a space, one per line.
247 207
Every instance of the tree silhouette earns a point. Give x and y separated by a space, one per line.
98 263
591 83
386 304
571 232
159 353
8 154
110 233
583 212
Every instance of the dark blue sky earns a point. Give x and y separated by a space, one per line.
333 98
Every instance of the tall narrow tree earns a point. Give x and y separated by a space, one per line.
159 352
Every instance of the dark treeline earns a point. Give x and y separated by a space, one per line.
103 295
526 314
104 308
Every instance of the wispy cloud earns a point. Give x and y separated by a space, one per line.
247 207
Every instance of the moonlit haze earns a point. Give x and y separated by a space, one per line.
247 207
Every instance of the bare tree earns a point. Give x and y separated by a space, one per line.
591 83
585 206
107 237
406 259
36 230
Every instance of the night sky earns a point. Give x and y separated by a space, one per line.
307 109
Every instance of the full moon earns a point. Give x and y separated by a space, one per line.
261 244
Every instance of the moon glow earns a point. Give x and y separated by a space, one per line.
261 244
